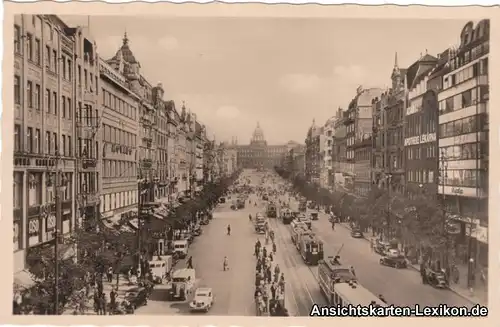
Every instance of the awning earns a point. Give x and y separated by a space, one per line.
116 225
22 280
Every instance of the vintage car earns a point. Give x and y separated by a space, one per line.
434 278
134 298
314 215
203 299
197 230
356 233
396 260
382 247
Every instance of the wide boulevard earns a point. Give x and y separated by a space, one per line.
234 289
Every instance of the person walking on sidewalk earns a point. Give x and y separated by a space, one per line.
109 274
112 302
103 304
225 265
229 230
190 262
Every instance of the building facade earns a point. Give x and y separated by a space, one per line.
464 138
421 121
44 133
327 154
341 175
360 140
388 126
258 154
313 154
120 125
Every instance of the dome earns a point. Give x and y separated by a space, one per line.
125 52
258 134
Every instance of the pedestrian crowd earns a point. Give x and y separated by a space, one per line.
269 282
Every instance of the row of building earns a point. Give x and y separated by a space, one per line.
87 129
427 134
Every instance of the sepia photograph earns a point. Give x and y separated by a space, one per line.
250 166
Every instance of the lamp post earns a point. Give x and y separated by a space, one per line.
443 171
58 184
388 177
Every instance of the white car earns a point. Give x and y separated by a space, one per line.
203 299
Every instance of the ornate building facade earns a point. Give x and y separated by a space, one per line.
258 154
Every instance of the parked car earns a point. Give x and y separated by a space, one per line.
314 215
203 299
381 247
134 298
356 233
394 260
434 278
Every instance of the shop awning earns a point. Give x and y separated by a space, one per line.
23 280
116 225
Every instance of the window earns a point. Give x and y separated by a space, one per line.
48 143
29 94
70 109
70 70
56 144
70 147
47 56
37 50
17 39
63 107
85 79
54 58
64 75
47 101
64 145
483 67
18 190
17 138
37 141
29 44
30 140
54 100
17 89
37 97
35 189
79 75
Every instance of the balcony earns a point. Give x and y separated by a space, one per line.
88 163
146 120
88 199
146 163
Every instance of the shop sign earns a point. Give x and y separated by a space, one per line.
461 191
425 138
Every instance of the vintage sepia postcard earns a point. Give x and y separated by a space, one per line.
286 164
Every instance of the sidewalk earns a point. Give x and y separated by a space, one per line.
123 287
480 294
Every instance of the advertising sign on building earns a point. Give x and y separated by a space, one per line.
425 138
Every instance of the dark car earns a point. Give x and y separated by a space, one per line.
135 298
356 233
314 215
396 261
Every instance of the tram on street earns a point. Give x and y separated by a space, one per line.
271 210
340 287
310 248
286 216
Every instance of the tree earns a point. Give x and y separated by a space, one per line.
41 296
425 225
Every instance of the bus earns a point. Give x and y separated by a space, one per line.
340 286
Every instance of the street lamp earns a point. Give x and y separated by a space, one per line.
58 184
388 177
443 171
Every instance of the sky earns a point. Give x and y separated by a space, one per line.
280 72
